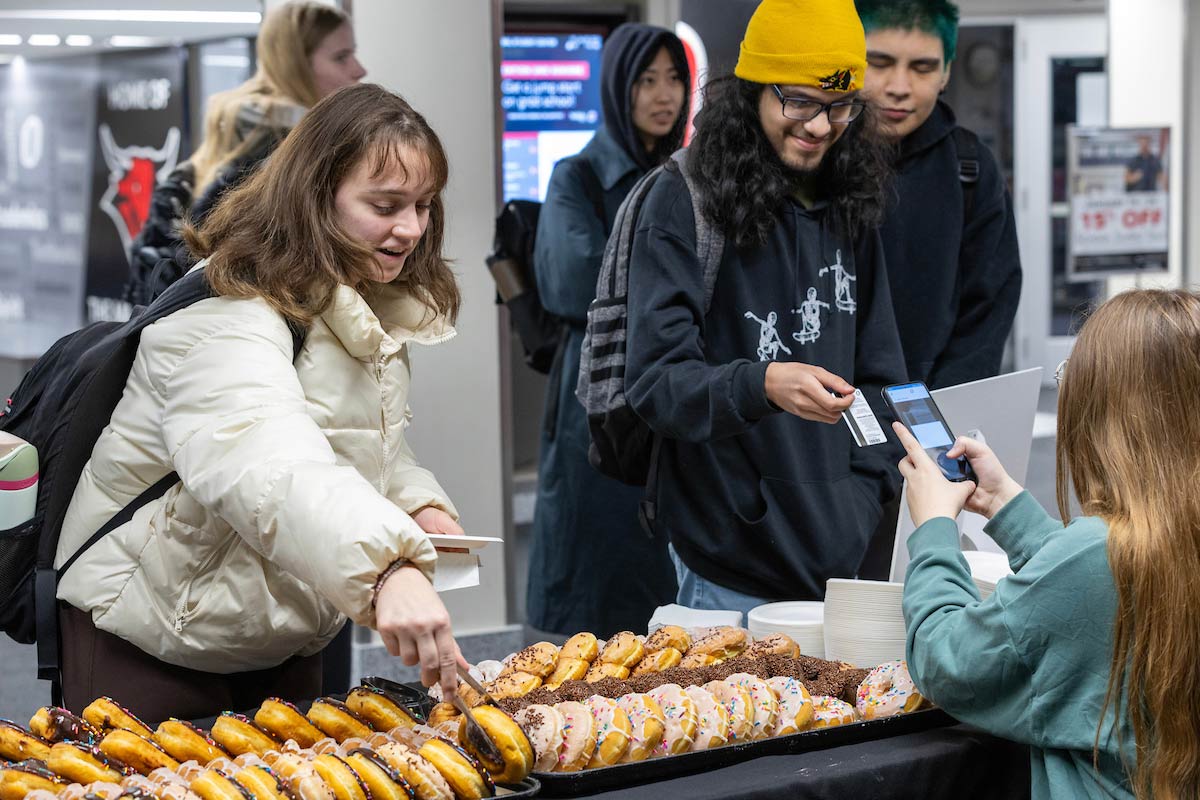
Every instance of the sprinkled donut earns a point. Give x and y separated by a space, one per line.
795 706
888 690
679 714
829 712
765 705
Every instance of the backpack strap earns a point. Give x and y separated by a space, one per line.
966 145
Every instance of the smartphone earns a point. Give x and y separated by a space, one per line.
913 405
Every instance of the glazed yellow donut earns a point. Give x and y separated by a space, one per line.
382 779
183 741
380 711
692 660
236 735
467 779
764 704
739 704
581 646
18 744
341 778
60 725
261 782
886 691
722 643
516 752
212 784
18 780
779 644
623 649
537 659
83 763
337 720
514 684
104 714
669 636
603 669
613 730
424 778
443 713
135 751
658 661
567 669
579 741
284 721
829 712
647 725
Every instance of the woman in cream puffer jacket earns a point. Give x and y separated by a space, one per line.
299 502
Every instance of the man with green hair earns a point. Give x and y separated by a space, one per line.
949 236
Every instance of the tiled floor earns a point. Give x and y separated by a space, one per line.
21 694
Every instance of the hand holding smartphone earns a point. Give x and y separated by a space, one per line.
914 407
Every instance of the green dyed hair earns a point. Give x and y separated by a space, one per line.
939 17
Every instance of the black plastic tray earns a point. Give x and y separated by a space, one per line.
526 788
620 776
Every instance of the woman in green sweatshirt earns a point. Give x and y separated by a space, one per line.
1104 603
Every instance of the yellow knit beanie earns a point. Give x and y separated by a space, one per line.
817 43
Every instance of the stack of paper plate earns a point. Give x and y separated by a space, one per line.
801 620
864 624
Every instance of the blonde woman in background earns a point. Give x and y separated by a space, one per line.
305 51
1089 652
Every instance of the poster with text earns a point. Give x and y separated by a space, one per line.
1120 200
137 141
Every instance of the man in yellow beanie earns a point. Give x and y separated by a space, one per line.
760 485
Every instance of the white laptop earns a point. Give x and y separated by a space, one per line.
1002 409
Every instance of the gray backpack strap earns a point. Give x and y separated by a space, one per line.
710 244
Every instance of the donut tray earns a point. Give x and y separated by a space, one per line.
620 776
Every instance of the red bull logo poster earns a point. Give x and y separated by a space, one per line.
140 132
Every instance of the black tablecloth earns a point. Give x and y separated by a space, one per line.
954 762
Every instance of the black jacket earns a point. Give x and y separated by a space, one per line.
159 237
755 499
955 278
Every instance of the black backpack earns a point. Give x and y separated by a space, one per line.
515 274
61 407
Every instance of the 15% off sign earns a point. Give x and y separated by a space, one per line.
1113 224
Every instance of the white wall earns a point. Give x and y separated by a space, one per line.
1146 84
438 54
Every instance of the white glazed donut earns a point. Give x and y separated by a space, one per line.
888 690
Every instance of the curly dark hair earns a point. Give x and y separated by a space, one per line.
744 182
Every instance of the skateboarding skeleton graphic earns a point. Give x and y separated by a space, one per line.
843 298
769 343
810 318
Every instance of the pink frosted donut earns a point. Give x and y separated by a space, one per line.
647 726
712 720
765 706
888 690
739 704
679 713
795 706
543 725
829 712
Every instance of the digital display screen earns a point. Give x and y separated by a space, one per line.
550 95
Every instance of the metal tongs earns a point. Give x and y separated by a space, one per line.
475 734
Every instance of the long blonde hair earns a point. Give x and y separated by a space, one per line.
283 82
1129 443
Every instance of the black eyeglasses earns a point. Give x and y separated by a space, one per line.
801 109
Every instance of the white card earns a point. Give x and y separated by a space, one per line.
862 422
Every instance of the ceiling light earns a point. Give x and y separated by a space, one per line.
10 39
45 40
79 40
135 41
136 15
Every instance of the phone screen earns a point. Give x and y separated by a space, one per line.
913 406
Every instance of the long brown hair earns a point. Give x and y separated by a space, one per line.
1129 443
283 82
276 235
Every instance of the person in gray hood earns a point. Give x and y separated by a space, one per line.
592 567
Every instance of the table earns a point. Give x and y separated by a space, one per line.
951 762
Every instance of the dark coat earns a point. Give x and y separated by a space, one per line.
755 499
955 279
591 567
159 237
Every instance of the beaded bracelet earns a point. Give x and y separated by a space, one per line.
392 569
